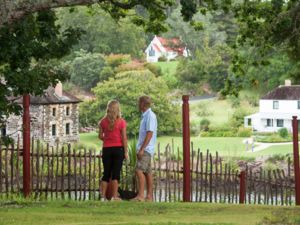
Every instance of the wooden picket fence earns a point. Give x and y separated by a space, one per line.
63 172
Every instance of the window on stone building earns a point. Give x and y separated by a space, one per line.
3 131
53 130
54 112
68 111
67 128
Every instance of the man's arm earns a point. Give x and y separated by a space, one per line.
145 143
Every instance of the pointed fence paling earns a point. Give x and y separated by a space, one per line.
64 172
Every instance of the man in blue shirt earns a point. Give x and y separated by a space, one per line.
145 148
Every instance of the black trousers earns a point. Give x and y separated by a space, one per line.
112 159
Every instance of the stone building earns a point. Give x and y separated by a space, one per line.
54 118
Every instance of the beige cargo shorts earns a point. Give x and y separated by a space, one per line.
144 164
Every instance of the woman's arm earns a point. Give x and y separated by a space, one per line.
101 136
124 141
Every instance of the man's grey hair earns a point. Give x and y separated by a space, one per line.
146 100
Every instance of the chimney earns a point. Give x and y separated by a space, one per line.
58 89
287 83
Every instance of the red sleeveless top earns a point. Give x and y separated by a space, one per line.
112 138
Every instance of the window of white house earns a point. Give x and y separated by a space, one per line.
279 123
53 129
67 110
269 123
275 105
298 104
53 111
151 51
249 122
67 128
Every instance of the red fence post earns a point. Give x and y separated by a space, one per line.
186 149
296 159
26 145
242 187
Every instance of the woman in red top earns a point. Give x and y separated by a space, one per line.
112 131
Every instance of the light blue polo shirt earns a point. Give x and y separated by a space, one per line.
148 123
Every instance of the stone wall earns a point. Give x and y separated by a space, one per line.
42 119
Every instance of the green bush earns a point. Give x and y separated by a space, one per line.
115 60
202 109
237 118
222 131
283 132
127 87
244 132
6 140
195 128
204 125
275 138
154 69
162 59
234 101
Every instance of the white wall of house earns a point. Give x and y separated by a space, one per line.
270 111
168 54
284 106
262 124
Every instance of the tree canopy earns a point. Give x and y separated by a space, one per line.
127 87
28 50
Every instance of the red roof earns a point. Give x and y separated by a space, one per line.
173 44
156 47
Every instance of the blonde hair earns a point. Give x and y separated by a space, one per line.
113 113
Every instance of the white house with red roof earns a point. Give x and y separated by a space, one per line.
162 47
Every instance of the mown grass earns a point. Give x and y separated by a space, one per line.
167 67
220 111
93 212
226 146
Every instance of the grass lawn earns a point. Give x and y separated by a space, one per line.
167 67
92 212
225 146
276 150
220 111
232 146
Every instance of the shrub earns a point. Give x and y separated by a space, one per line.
244 132
234 101
195 128
115 60
154 69
237 118
162 59
107 72
6 140
221 131
275 138
204 124
283 132
252 100
202 110
129 67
